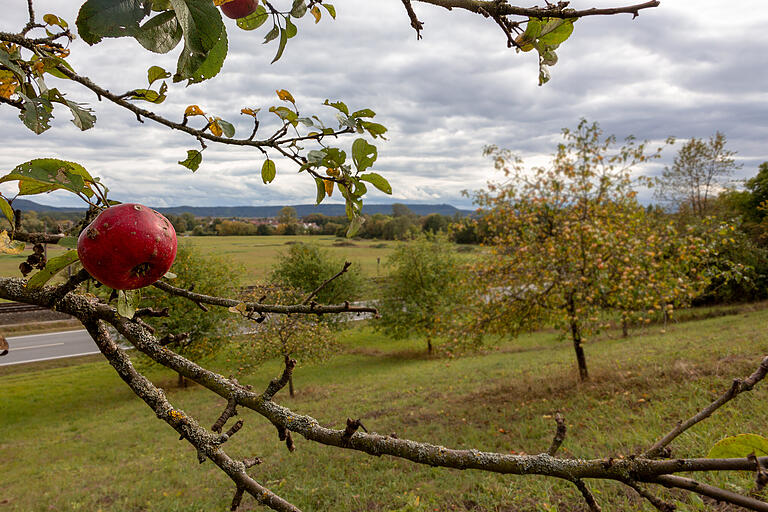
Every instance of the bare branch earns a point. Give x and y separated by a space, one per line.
738 386
713 492
185 425
559 434
263 308
229 411
494 8
659 504
37 238
417 25
347 264
587 495
276 385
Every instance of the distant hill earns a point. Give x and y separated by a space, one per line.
302 210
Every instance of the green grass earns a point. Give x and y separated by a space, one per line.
75 438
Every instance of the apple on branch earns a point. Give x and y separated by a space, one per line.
236 9
127 246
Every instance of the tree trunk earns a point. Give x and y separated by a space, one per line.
182 382
429 345
624 328
580 358
290 386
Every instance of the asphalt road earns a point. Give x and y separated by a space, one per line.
52 345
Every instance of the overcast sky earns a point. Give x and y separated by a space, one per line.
685 69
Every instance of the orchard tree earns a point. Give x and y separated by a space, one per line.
570 239
35 54
308 268
425 283
699 172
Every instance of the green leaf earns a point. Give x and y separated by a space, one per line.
45 174
156 73
268 171
315 156
227 128
338 105
377 181
109 18
205 40
150 95
193 161
375 129
127 300
363 154
36 113
366 112
253 20
527 39
272 34
320 191
160 34
281 47
290 28
739 446
5 60
555 31
53 266
70 242
81 116
7 211
298 9
9 246
354 225
331 9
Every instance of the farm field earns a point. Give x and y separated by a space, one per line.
259 253
103 450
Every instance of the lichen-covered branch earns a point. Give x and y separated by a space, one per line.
631 469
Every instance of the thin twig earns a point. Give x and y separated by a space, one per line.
738 386
658 503
710 491
327 281
559 434
587 495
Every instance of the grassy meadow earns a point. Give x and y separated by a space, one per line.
75 438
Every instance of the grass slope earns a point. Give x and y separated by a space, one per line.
75 438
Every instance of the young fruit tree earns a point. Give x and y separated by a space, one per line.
35 77
570 240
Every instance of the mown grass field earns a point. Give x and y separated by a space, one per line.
75 438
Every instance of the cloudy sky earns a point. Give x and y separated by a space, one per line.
684 69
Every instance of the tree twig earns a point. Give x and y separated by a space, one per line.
738 386
347 264
559 434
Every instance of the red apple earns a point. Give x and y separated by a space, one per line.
127 246
239 8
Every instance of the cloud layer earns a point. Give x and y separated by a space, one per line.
675 70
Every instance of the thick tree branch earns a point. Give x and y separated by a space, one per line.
185 425
89 311
37 238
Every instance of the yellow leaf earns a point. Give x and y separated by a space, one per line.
250 111
285 95
8 83
333 172
221 2
314 11
9 246
328 187
193 110
215 127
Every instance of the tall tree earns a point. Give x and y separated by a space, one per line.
698 173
